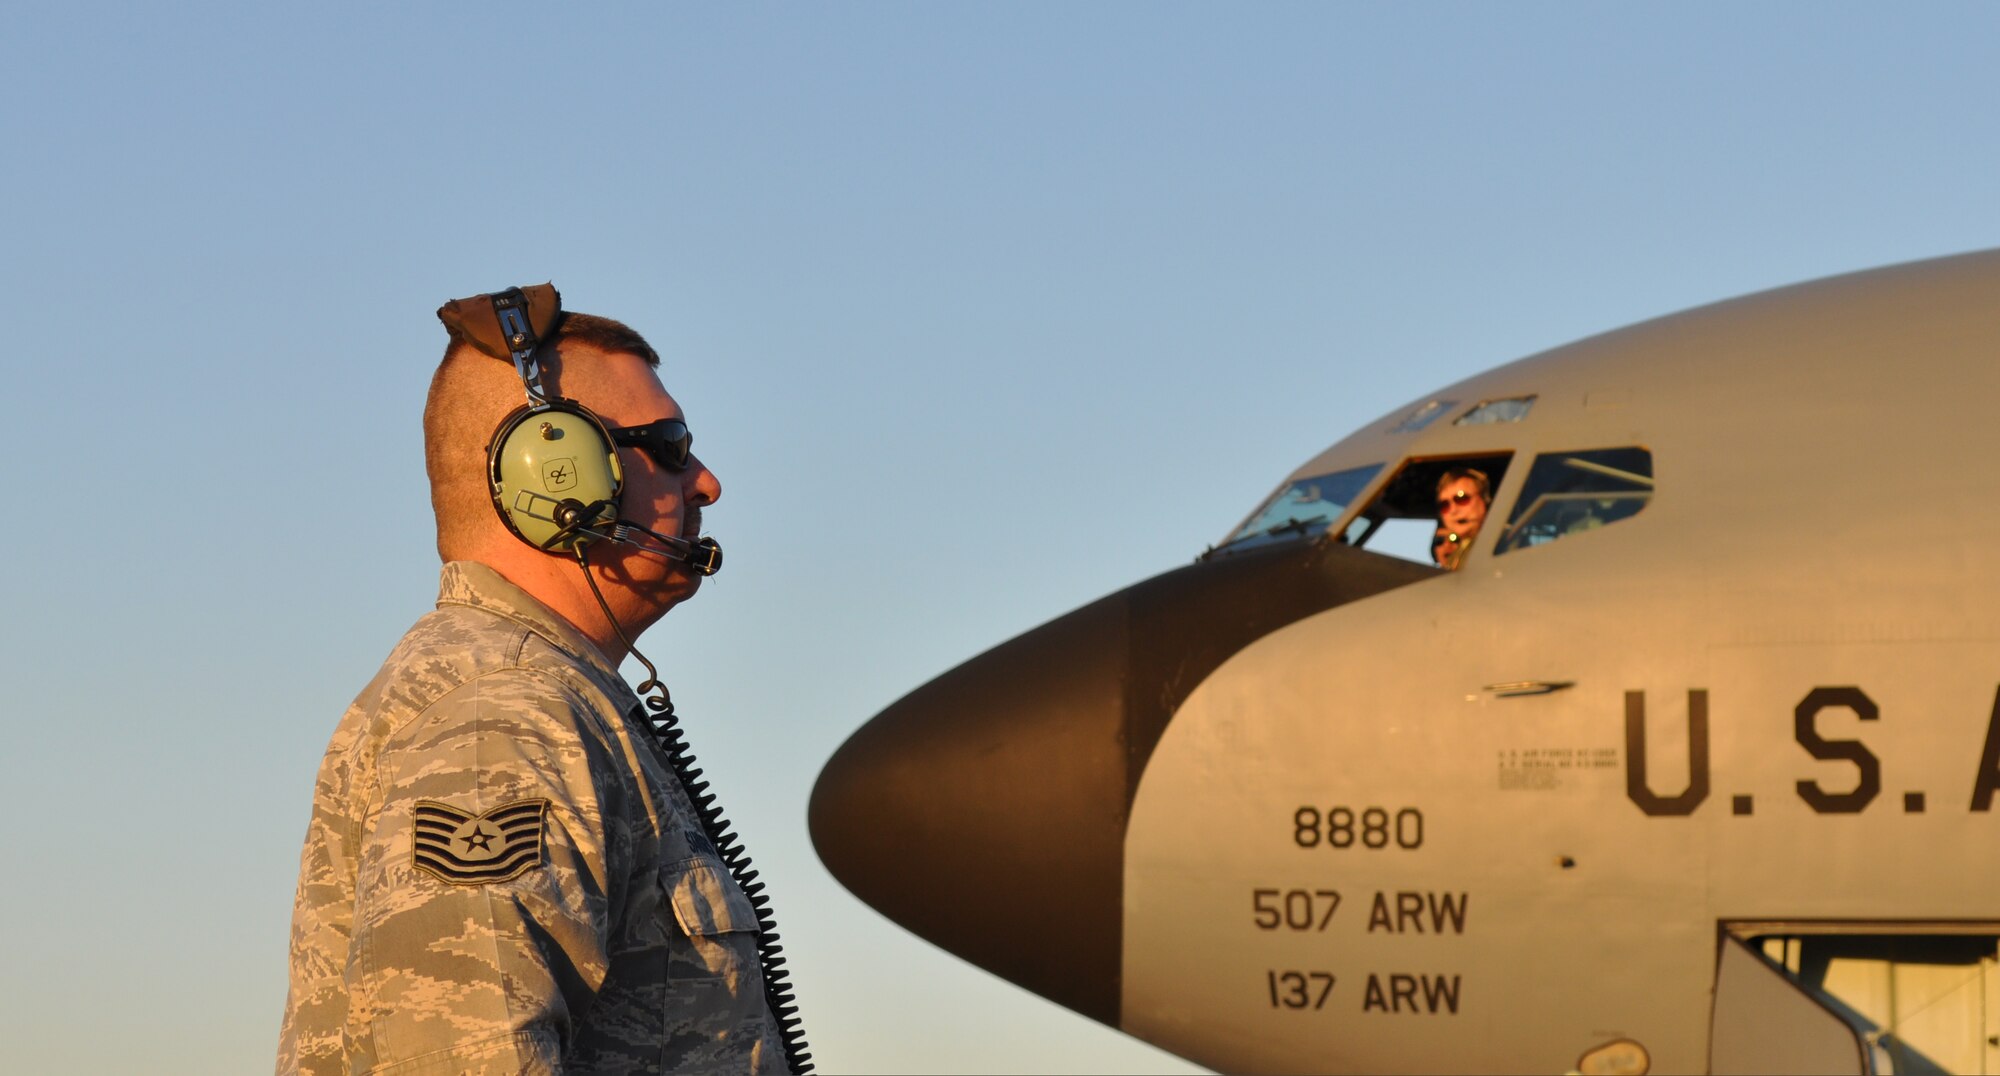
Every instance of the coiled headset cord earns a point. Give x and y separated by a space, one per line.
665 726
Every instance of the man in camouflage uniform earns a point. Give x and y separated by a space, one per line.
502 873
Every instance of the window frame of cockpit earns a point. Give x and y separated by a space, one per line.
1393 466
1513 522
1233 544
1480 460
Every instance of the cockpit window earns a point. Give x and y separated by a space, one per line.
1303 509
1512 409
1423 415
1568 492
1432 510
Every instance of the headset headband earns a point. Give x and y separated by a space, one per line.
509 324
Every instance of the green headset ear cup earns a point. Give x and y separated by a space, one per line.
543 456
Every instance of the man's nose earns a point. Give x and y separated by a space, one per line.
700 484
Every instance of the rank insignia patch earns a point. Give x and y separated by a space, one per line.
465 849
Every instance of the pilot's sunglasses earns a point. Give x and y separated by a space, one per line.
666 440
1457 497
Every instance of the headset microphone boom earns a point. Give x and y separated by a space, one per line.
703 555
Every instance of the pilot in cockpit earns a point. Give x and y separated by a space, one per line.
1462 496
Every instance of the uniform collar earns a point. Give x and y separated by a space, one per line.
465 582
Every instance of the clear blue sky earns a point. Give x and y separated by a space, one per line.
979 312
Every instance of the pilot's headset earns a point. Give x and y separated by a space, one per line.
552 465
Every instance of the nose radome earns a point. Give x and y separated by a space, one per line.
986 810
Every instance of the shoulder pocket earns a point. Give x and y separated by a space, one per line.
706 899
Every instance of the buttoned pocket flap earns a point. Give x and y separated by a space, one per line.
707 900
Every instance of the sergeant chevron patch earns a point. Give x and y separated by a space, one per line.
466 849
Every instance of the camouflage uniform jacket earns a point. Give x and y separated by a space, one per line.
502 875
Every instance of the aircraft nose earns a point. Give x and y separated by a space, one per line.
986 810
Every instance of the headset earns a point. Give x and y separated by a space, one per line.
552 465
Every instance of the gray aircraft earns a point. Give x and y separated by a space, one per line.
1689 765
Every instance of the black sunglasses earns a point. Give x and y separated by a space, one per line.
666 440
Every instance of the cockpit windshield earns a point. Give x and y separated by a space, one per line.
1302 509
1568 492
